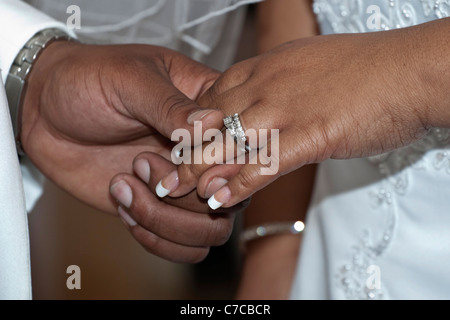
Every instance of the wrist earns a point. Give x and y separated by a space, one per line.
39 82
251 234
429 59
269 267
19 73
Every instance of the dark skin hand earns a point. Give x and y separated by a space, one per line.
90 110
181 229
339 96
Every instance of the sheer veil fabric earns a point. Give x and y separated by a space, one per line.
206 30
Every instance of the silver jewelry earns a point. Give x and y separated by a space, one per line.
240 134
229 124
16 80
291 227
233 124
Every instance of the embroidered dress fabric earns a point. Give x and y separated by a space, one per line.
378 228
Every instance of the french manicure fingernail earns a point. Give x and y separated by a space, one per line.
214 186
122 192
198 116
126 217
213 203
142 169
167 184
219 198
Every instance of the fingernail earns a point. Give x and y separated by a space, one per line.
167 184
122 192
219 198
198 116
126 217
214 186
142 169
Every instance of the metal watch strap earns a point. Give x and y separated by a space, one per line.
17 76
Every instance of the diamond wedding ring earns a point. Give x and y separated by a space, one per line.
234 126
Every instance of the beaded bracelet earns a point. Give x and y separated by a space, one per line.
292 227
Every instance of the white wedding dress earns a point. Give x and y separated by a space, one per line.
379 228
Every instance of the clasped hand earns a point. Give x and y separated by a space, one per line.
89 110
339 96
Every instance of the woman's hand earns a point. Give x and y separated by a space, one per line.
339 96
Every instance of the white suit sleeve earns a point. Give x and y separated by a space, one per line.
18 23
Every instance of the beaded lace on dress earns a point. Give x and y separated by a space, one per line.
351 16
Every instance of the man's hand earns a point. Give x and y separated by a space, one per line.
181 229
89 110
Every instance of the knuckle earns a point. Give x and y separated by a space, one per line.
149 241
224 232
236 75
245 180
207 234
212 93
151 218
188 172
233 77
218 233
169 105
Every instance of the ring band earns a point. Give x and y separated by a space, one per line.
240 134
233 124
228 122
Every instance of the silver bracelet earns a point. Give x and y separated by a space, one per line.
293 227
17 76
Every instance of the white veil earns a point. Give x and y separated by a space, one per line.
201 29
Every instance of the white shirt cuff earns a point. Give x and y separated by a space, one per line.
33 183
26 21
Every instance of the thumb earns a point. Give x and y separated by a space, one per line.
173 114
164 98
